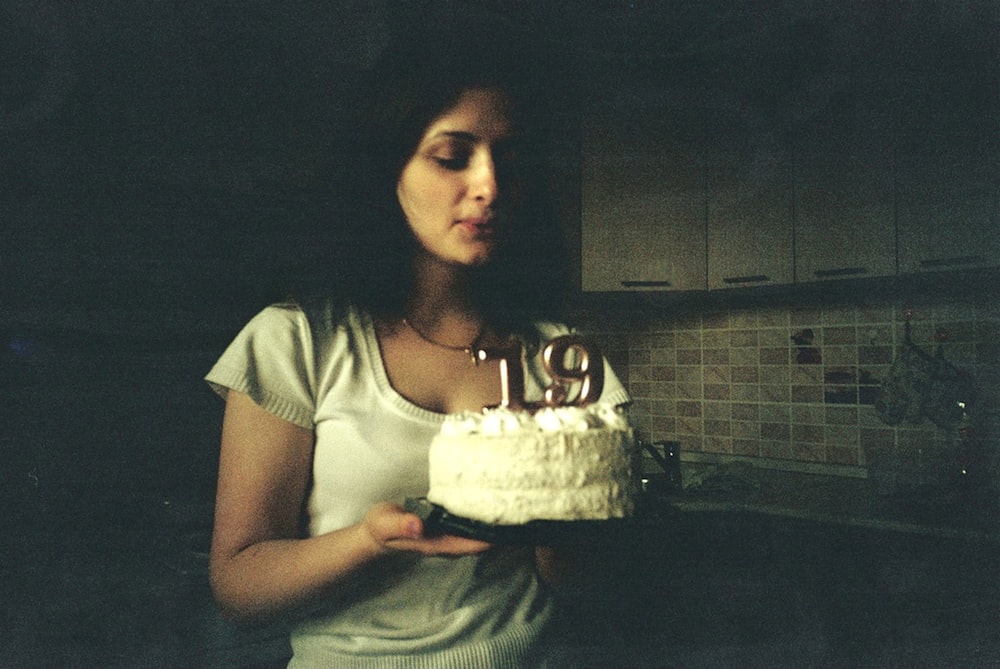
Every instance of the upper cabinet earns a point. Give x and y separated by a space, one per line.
749 198
948 152
643 194
824 143
948 202
843 183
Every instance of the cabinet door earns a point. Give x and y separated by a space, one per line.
749 199
643 195
948 185
844 209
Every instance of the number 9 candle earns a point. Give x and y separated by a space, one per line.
588 371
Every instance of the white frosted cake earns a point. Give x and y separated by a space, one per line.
507 467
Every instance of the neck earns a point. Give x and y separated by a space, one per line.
440 294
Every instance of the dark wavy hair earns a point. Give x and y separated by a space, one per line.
421 75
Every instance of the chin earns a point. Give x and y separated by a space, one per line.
480 257
477 262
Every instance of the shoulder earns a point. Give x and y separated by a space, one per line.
277 323
547 329
278 316
300 331
541 332
305 319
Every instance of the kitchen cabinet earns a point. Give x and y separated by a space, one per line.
749 199
948 205
643 194
949 161
844 208
860 152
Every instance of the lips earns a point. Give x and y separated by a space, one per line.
479 225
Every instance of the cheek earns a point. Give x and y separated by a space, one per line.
419 196
410 200
403 196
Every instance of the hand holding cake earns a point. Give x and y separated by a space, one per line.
393 528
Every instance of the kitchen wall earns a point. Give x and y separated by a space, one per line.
792 381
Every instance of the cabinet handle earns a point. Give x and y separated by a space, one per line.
754 278
645 284
951 262
841 271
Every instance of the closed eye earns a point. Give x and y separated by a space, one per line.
452 164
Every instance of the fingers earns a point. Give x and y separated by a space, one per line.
391 522
391 526
443 545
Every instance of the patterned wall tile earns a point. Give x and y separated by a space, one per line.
799 382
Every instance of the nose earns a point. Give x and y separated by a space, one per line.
483 178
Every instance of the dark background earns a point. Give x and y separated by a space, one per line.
161 168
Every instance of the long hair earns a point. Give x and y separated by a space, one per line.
420 76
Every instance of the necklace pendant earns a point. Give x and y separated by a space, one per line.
472 350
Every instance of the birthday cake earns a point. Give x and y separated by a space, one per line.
507 467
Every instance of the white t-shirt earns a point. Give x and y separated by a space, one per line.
371 446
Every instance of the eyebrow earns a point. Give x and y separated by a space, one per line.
467 138
456 134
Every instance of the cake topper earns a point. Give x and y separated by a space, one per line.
511 372
589 370
585 366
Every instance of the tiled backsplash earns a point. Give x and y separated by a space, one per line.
797 384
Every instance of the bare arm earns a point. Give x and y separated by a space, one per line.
259 567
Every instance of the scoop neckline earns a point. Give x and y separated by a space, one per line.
373 350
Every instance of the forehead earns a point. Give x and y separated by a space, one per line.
484 113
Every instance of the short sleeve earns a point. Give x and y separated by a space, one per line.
271 360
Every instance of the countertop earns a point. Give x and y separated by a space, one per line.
957 511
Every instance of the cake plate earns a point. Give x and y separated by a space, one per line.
438 520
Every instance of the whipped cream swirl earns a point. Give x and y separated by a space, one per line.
503 420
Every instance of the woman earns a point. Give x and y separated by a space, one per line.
331 404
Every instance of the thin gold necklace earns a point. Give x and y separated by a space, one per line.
469 350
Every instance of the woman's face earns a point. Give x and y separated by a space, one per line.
448 190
